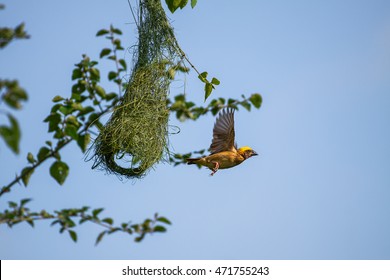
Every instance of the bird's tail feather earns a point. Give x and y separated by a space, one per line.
192 160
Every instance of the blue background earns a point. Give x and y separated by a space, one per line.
320 188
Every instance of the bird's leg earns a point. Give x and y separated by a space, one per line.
215 169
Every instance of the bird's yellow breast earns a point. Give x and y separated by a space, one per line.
226 159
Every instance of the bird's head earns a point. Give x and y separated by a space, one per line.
246 152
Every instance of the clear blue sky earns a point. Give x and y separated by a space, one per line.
320 188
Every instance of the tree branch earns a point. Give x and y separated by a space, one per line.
64 218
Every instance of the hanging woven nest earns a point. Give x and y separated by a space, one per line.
136 135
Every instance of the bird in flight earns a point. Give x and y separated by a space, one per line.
224 151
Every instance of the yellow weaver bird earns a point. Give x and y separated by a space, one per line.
224 152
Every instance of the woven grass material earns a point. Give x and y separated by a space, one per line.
136 135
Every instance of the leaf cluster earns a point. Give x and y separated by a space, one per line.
7 34
173 5
10 92
69 219
12 95
187 110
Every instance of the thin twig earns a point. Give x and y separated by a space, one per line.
132 12
116 61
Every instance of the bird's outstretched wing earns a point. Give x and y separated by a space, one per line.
223 133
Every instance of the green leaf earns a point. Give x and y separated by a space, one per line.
100 91
215 110
72 120
203 77
208 88
25 201
71 131
83 141
57 98
170 5
231 101
183 3
30 158
193 3
73 235
246 105
102 32
55 108
43 153
86 110
44 214
58 134
96 212
159 229
256 100
112 75
108 221
164 220
26 174
123 63
173 5
83 220
215 81
139 238
76 106
59 170
111 96
116 30
105 52
100 237
54 120
12 204
12 93
19 31
30 222
204 74
78 88
66 110
92 63
76 74
180 97
11 134
95 74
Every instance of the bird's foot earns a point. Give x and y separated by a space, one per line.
215 169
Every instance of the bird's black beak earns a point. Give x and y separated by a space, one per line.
254 153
